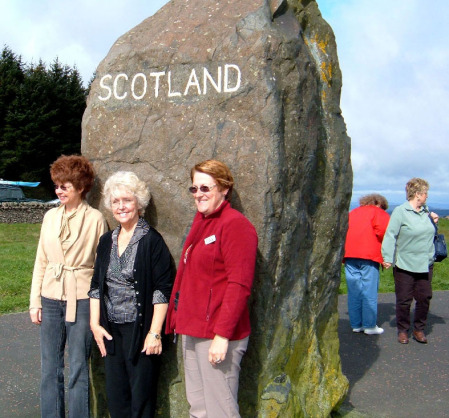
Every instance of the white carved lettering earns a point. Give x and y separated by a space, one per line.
193 81
226 87
207 76
140 85
156 86
144 90
170 94
103 86
119 76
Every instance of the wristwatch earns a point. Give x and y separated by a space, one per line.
155 335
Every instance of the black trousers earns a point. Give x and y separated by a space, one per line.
131 387
409 286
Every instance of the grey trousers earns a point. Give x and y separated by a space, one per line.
212 391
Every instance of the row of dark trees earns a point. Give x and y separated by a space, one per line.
40 117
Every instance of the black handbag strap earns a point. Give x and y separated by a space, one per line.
434 224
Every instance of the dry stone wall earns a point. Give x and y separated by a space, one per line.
25 212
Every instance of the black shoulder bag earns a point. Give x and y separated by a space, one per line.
440 244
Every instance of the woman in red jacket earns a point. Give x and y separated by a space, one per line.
208 306
367 226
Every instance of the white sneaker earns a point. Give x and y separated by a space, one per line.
358 329
374 331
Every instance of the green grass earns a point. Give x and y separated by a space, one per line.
440 279
17 254
18 250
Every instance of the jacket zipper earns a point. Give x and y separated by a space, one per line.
208 305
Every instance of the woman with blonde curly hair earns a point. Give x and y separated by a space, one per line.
408 247
129 297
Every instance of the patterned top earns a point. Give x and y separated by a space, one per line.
120 297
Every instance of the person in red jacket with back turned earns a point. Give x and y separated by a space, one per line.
366 229
208 306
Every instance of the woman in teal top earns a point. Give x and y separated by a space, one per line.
408 247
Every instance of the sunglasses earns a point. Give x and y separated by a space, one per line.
62 187
203 189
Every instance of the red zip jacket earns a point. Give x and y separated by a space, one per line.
366 229
215 276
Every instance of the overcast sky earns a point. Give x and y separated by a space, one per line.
394 56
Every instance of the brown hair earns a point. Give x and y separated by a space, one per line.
374 199
219 171
74 169
416 185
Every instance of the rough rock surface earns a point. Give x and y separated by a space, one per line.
255 84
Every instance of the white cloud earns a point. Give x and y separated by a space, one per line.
77 32
394 59
393 55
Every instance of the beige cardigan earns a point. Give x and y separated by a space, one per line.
66 277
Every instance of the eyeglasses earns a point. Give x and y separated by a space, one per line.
202 189
62 187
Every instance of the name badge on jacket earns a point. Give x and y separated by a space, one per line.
210 240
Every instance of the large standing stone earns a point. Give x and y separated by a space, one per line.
255 84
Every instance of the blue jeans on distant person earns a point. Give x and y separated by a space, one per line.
55 331
362 278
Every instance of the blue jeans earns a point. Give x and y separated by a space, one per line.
55 331
362 278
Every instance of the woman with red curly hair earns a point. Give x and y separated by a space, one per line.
61 279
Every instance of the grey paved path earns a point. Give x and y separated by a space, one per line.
19 367
386 379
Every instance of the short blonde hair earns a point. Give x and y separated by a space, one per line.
416 185
128 181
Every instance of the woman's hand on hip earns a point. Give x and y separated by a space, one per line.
152 344
36 315
100 334
218 350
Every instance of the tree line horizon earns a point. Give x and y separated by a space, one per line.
41 109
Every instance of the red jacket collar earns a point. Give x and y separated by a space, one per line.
217 212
